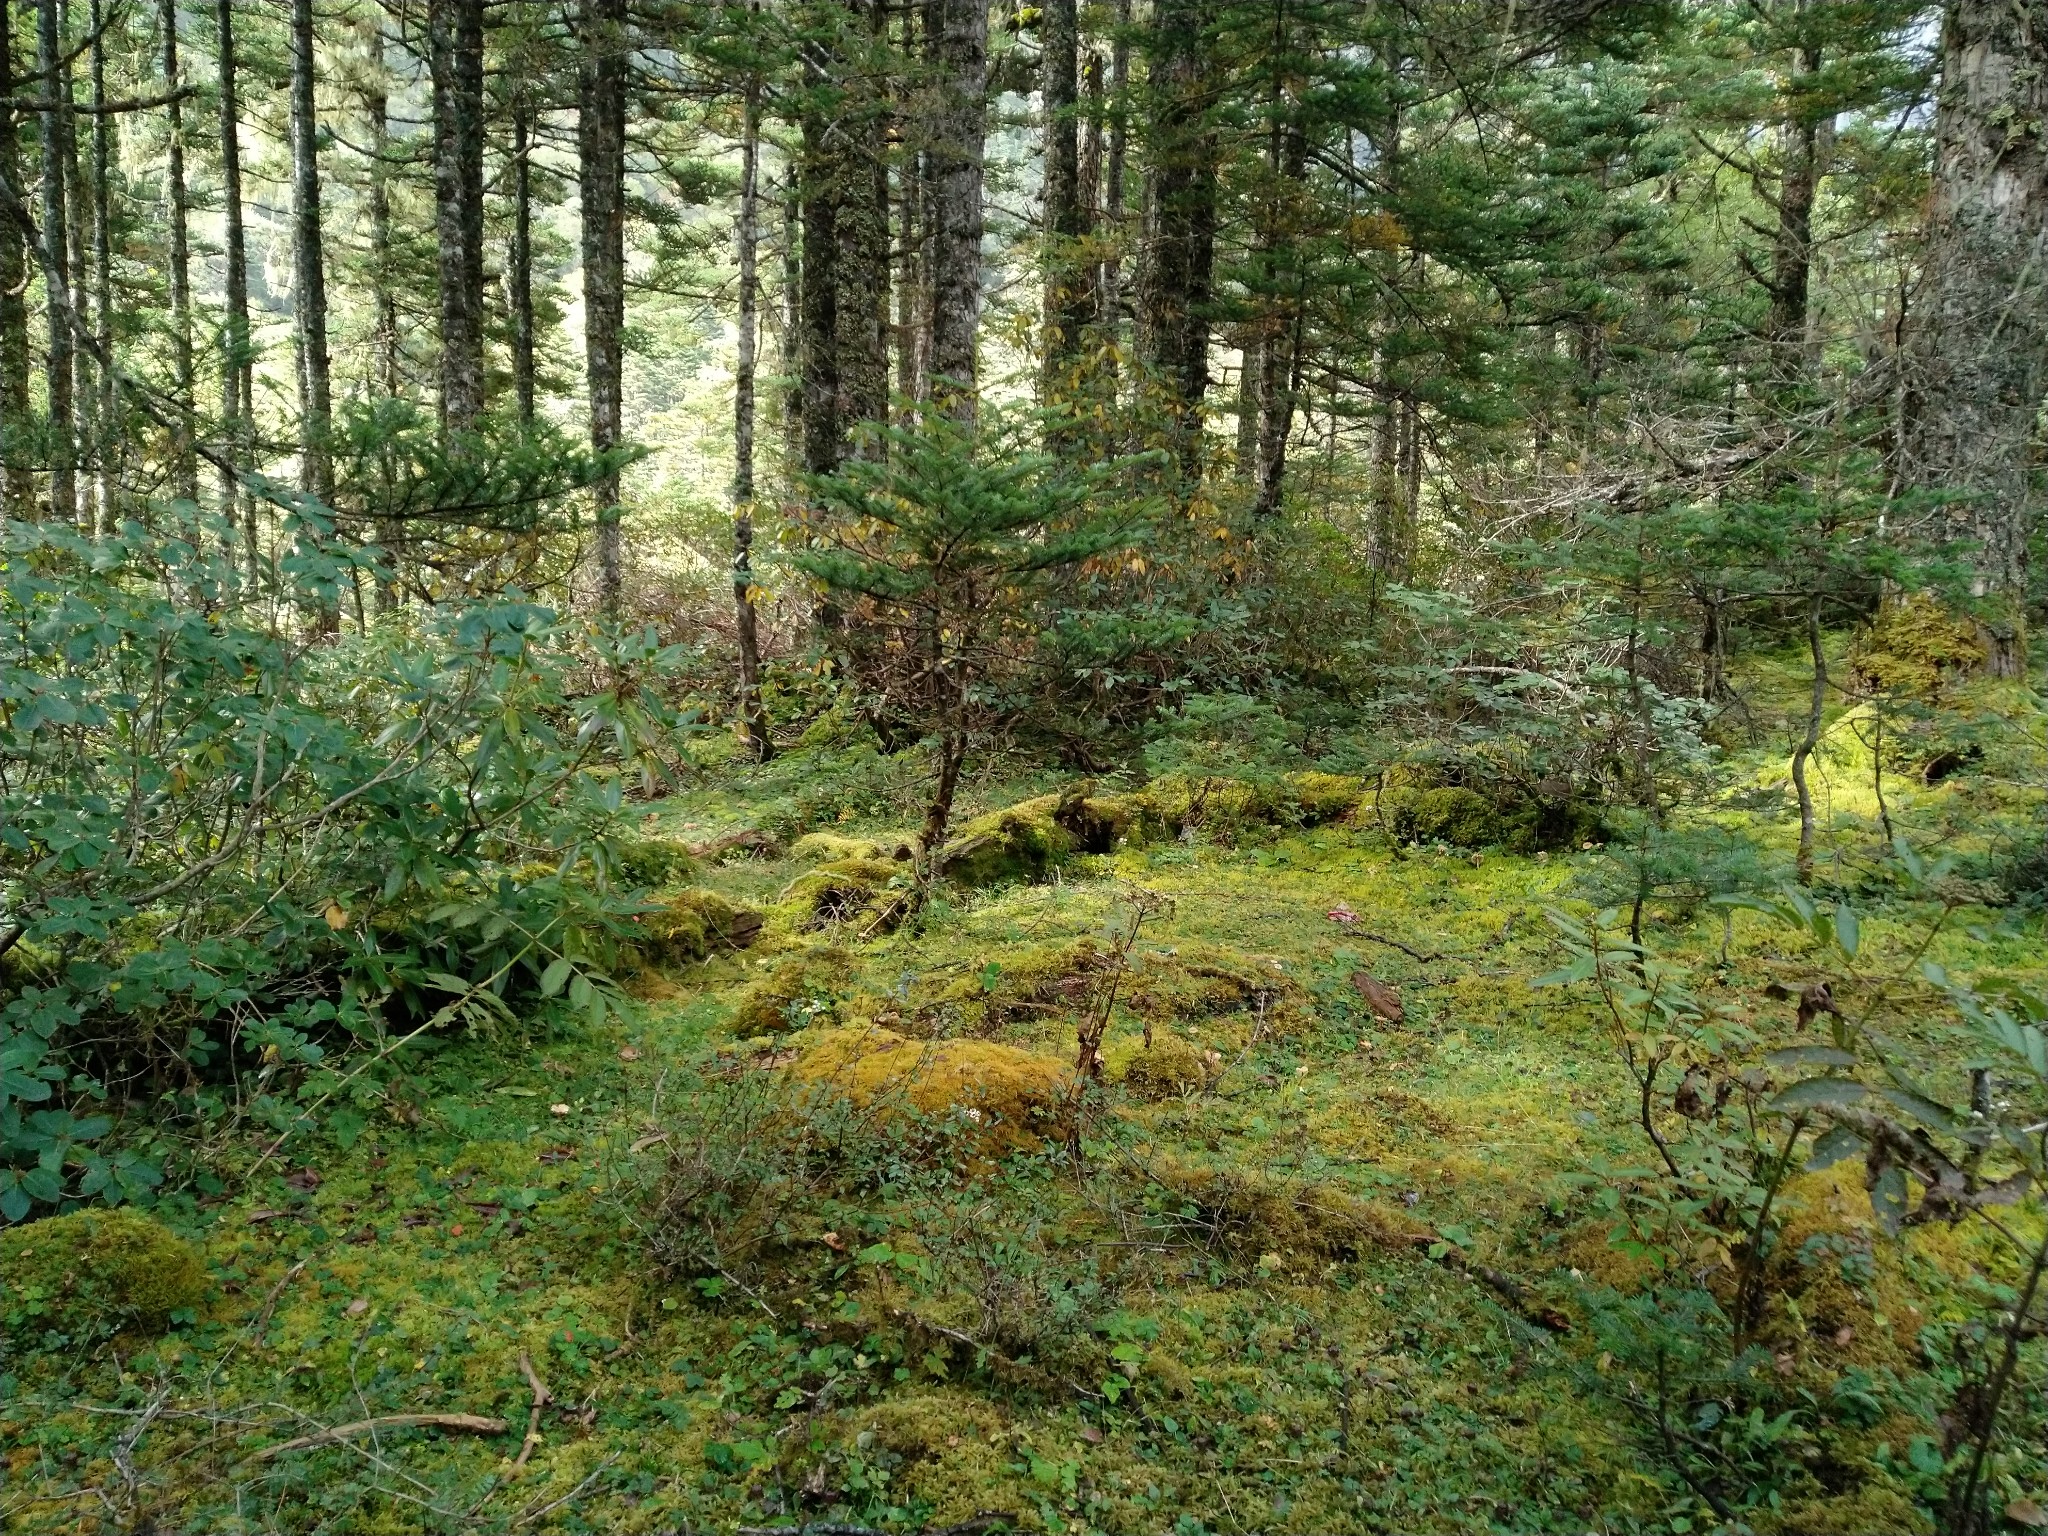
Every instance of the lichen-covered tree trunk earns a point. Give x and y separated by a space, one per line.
519 261
1977 351
1176 274
54 81
456 54
309 269
1069 280
746 625
861 168
17 484
601 157
184 460
958 51
237 364
109 440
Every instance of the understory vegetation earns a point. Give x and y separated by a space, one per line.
1147 767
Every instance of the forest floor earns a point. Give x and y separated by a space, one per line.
1314 1269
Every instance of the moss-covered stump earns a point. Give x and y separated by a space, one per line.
1170 1068
97 1271
1012 1099
1040 982
802 990
845 890
1914 648
1257 1219
1197 982
1500 815
837 848
694 925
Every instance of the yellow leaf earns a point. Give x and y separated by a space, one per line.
337 919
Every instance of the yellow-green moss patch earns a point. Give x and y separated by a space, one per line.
97 1269
1013 1098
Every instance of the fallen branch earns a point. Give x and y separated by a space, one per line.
470 1423
541 1398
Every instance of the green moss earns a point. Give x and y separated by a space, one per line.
1914 648
1012 1098
694 925
97 1270
802 990
1170 1069
842 891
1195 982
1020 843
651 863
837 848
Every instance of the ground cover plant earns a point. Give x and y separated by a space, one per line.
1148 767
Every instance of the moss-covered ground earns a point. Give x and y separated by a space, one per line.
1263 1295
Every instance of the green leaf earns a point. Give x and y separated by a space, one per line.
556 976
1848 931
1922 1108
1819 1093
1836 1143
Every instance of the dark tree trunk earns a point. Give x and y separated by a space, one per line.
958 49
601 156
1805 142
309 298
17 484
108 439
237 363
1978 355
1111 307
862 173
519 279
383 290
184 461
819 329
1279 351
1069 288
1178 269
55 89
746 619
456 54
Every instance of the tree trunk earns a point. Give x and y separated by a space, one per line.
1177 273
456 54
519 280
237 363
383 292
862 172
1386 548
54 87
1803 753
1111 309
184 461
309 297
1978 355
1280 333
17 483
601 156
819 328
959 57
1805 142
1069 289
109 438
746 620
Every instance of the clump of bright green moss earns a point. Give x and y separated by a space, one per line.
97 1271
800 991
694 925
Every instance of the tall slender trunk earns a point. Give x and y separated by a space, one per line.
959 57
237 363
789 341
109 439
456 55
184 461
746 620
17 484
1805 141
601 157
78 221
519 279
819 302
309 268
1069 289
1978 354
862 174
54 81
1280 328
1111 310
1387 547
383 289
1178 270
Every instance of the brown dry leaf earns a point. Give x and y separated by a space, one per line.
2026 1512
337 918
1341 914
1091 1434
1384 1001
629 1053
358 1307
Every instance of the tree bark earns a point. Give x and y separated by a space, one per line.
237 363
746 619
1178 269
601 157
519 279
1810 742
1280 327
17 483
383 291
958 50
108 439
184 461
1111 309
55 89
1805 141
862 166
819 329
1978 356
455 31
309 297
1069 288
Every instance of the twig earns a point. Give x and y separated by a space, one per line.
541 1398
471 1423
531 1513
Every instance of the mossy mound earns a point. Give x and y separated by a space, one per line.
802 990
651 863
1013 1099
1171 1068
1021 843
1198 982
1228 808
1253 1218
837 848
843 891
1501 815
1914 648
694 925
97 1271
1041 981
